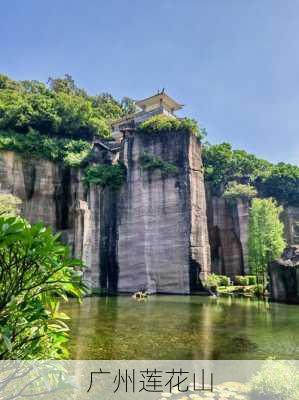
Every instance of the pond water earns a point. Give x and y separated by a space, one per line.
183 328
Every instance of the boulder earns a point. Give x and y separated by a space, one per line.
284 277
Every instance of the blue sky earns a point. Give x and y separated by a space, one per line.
233 63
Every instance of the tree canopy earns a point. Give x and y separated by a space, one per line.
224 165
58 108
266 234
36 271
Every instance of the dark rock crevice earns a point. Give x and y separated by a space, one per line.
62 197
108 241
29 174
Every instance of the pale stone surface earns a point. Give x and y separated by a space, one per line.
291 222
162 222
199 238
228 225
284 277
153 233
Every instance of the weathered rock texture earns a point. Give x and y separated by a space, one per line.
152 234
291 223
163 240
228 225
284 277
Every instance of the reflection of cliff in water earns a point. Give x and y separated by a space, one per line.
182 327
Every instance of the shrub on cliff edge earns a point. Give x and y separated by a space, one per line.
164 123
105 175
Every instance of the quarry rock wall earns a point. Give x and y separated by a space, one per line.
162 228
162 231
228 226
151 234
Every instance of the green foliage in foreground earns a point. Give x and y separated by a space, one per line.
164 123
105 175
266 234
276 380
151 162
9 205
236 190
36 272
69 151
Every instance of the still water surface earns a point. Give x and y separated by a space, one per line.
182 327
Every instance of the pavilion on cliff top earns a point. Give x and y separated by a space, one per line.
159 103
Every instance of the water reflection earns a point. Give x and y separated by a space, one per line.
182 327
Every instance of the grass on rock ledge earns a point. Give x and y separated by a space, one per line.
151 162
164 123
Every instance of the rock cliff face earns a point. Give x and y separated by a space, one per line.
284 277
158 232
291 223
228 224
152 234
163 240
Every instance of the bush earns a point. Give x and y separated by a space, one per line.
212 281
36 272
151 162
276 380
240 280
259 290
223 280
164 123
236 191
251 280
105 175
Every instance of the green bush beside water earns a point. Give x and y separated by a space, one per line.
36 273
252 280
240 280
214 281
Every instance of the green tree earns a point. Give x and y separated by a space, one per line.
222 164
236 190
266 235
128 105
36 272
283 184
57 109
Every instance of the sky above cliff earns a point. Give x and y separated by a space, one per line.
233 63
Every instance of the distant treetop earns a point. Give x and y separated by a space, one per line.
223 165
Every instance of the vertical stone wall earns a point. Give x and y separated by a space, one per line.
228 225
162 231
291 222
200 254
